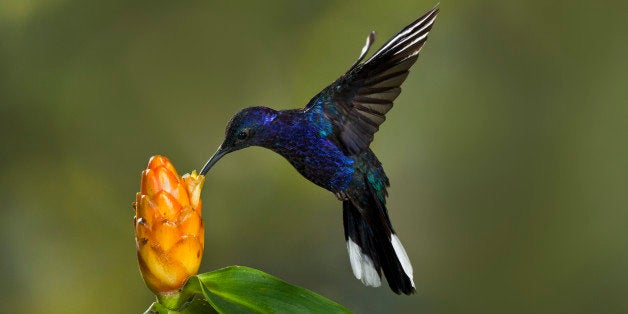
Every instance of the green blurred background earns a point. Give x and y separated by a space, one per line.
506 151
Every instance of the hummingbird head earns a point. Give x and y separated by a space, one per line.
245 129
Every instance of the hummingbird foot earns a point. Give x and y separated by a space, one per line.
342 196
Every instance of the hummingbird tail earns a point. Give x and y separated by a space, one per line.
373 246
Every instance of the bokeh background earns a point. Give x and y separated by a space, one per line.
507 150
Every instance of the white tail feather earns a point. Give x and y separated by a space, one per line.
362 265
402 256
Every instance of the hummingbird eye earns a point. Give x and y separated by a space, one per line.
243 134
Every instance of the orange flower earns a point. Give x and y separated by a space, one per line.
168 223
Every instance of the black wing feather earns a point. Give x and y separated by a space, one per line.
358 101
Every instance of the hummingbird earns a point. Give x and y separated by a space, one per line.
328 142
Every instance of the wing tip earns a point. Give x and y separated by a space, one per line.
370 39
413 35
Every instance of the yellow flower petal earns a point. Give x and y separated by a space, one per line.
168 226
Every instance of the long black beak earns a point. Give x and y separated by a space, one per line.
214 159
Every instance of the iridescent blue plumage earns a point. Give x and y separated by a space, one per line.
328 143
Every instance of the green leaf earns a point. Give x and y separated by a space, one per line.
197 306
156 307
239 289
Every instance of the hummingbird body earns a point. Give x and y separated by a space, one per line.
328 143
305 140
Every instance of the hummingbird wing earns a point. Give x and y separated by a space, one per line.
357 102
